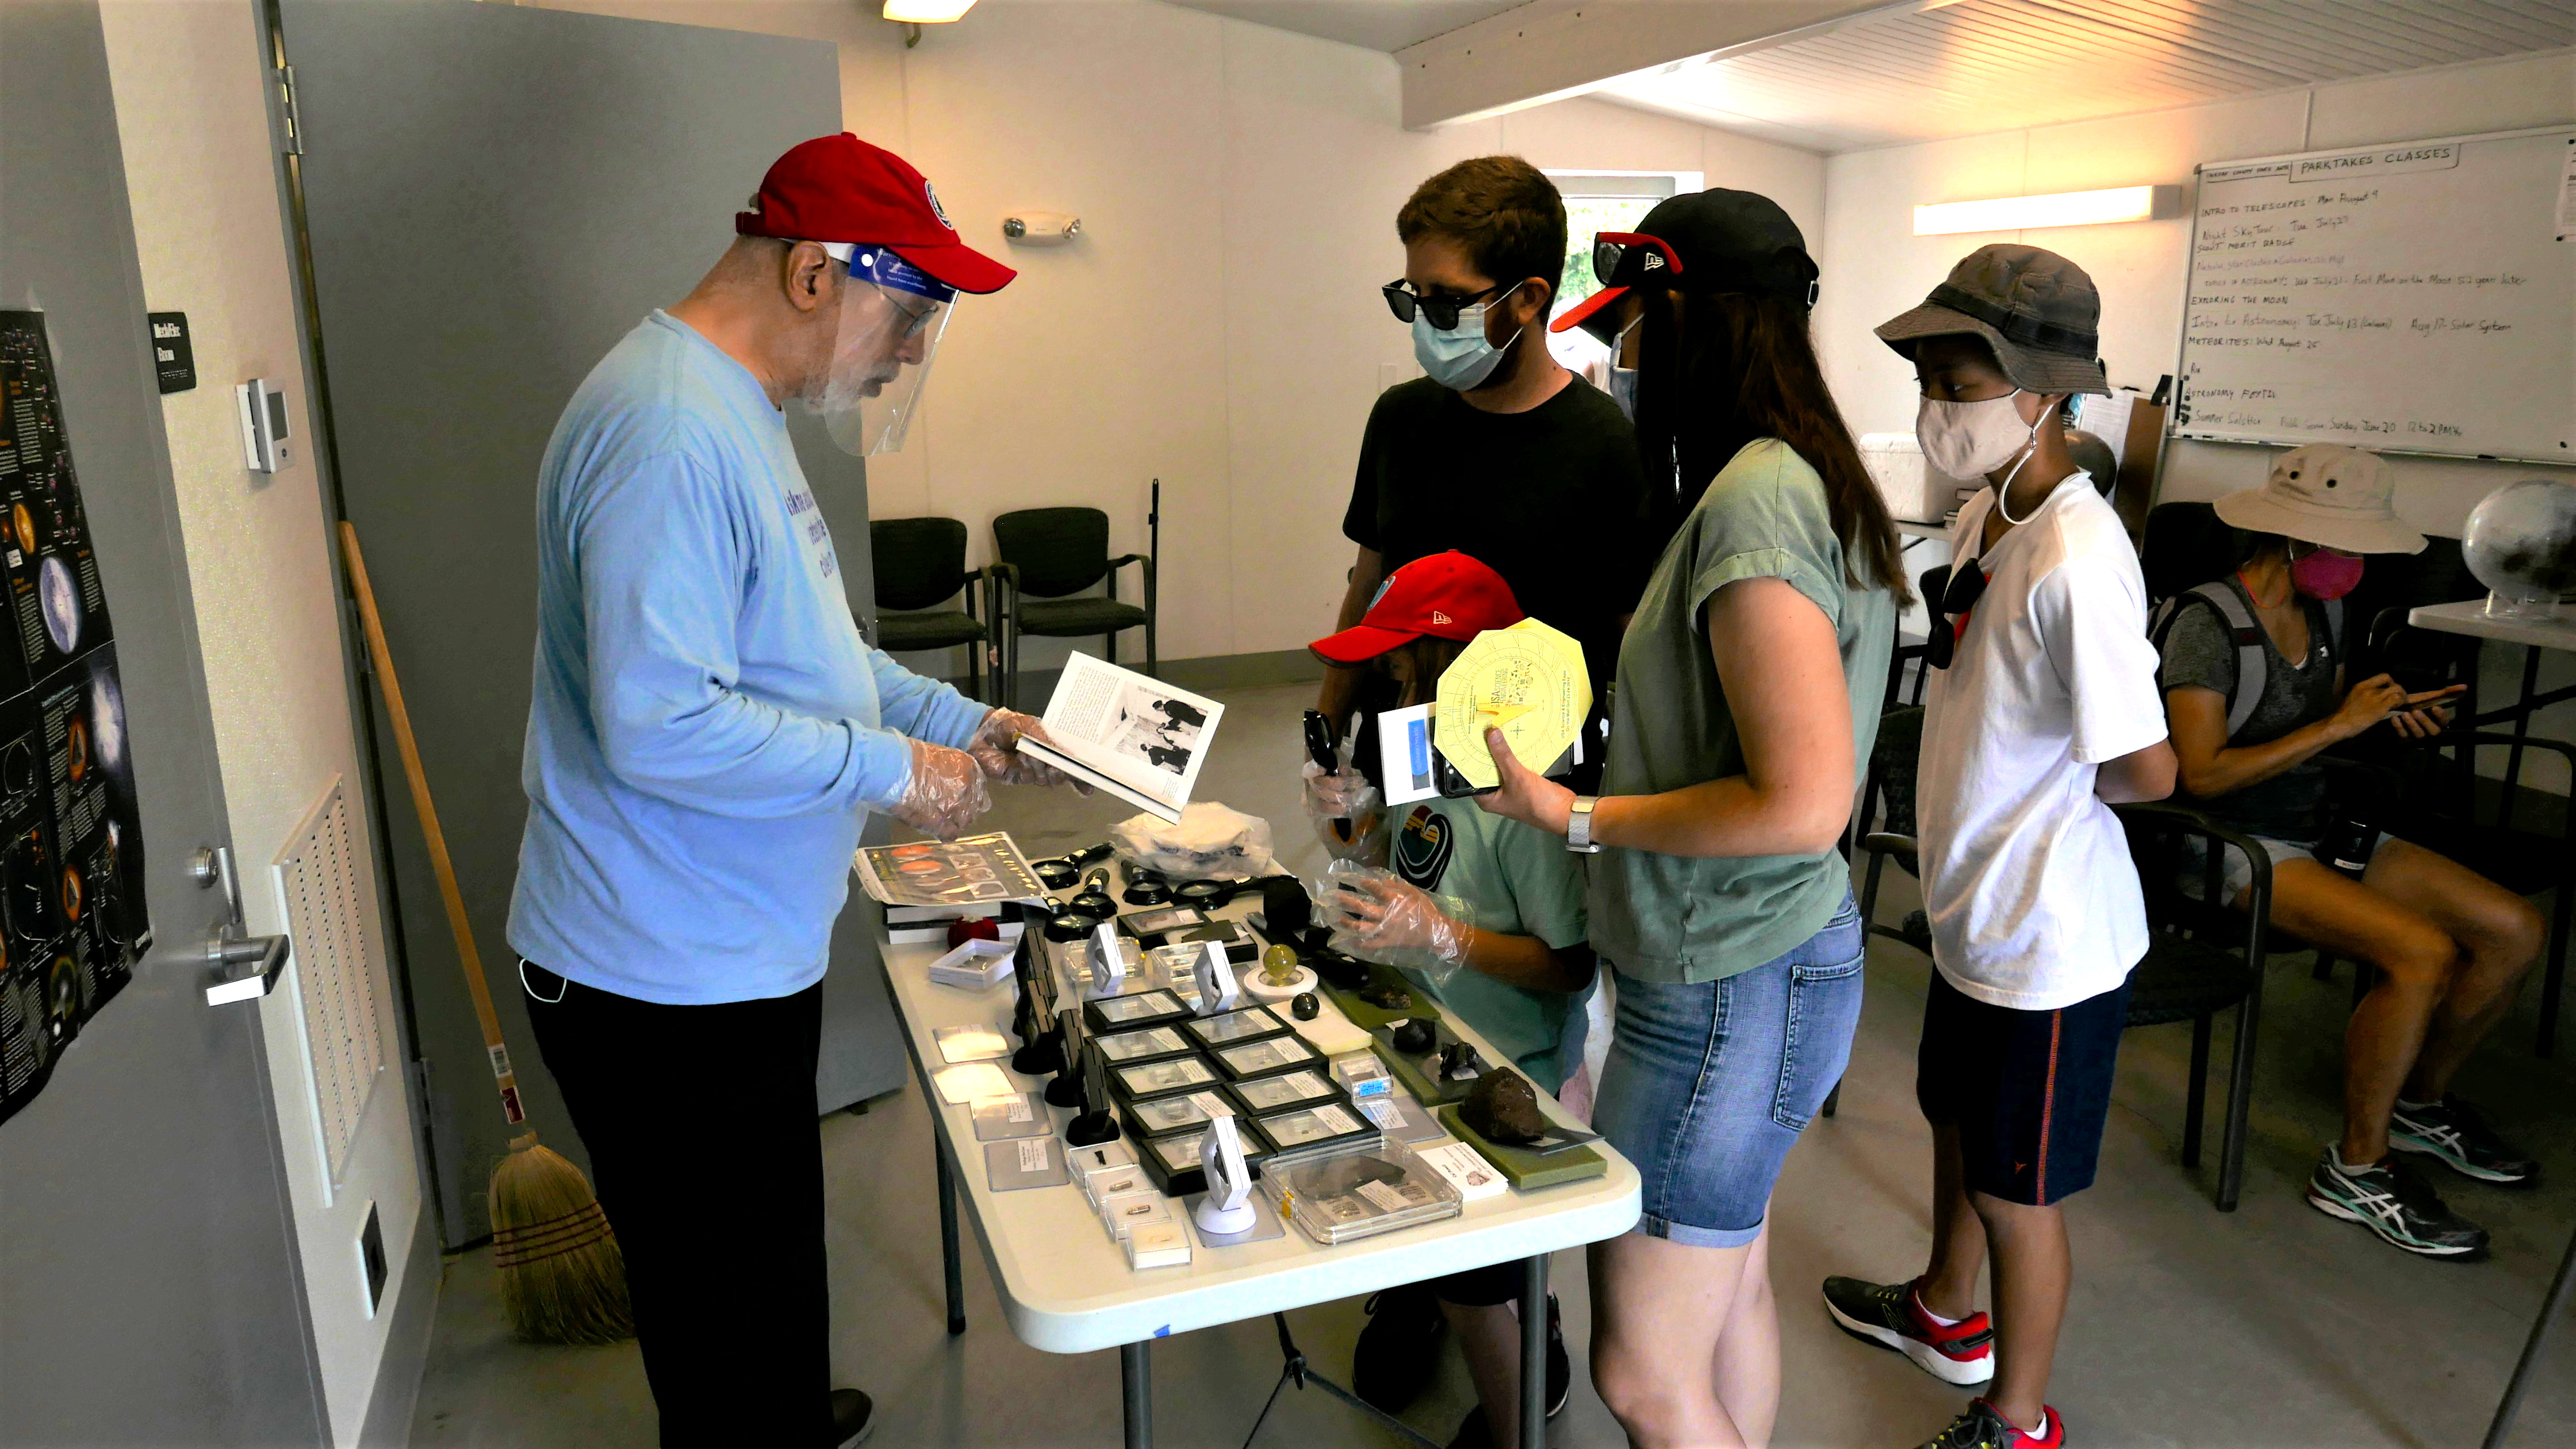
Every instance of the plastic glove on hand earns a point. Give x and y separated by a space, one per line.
945 794
1385 919
1344 808
996 748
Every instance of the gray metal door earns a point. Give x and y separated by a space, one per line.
493 196
149 1287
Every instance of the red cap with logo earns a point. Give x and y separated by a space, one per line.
1444 595
841 189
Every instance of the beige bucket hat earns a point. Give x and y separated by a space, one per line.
2325 493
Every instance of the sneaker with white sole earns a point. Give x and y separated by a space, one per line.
1891 1315
2453 1131
2392 1202
1983 1428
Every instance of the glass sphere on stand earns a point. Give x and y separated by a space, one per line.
2521 543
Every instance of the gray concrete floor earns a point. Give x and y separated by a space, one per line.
2270 1326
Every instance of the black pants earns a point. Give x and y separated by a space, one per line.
704 1147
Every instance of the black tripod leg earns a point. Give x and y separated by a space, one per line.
2550 1308
1296 1370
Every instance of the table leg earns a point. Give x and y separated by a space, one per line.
948 1259
1534 1352
2521 732
2549 1309
1135 1377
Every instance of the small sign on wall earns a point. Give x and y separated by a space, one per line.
172 359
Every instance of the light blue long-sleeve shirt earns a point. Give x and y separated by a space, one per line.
709 728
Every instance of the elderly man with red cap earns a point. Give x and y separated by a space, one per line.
708 733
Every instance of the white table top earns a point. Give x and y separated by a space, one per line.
1065 1284
2470 617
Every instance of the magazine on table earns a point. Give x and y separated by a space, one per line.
946 879
1129 734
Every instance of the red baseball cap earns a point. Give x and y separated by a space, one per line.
841 189
1445 595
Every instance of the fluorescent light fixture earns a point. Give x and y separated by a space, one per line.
2064 208
927 12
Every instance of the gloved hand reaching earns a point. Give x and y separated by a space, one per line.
1377 917
945 792
1344 807
996 748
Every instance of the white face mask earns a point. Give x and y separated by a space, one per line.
1973 439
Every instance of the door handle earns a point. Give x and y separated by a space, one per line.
246 967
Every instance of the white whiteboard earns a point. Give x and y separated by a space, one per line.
2415 298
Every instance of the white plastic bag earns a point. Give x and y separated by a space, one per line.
1211 842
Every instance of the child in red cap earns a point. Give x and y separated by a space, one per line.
1483 912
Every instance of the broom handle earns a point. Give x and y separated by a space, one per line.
439 863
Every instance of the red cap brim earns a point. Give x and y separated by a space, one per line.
958 265
1360 643
1573 317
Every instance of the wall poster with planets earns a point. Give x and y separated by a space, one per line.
72 916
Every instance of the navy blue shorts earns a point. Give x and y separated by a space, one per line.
2028 1090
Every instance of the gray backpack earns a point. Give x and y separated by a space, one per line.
2253 661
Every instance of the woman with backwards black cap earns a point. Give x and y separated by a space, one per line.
1748 689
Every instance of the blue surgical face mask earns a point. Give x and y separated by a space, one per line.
1460 358
1623 380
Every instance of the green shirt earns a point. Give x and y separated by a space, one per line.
1676 918
1515 881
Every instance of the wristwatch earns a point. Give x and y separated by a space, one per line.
1578 827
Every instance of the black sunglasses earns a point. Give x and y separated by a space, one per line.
1402 300
1959 594
1609 247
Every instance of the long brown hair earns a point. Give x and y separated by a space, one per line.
1734 369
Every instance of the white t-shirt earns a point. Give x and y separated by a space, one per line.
2034 901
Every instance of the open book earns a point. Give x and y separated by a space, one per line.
1135 737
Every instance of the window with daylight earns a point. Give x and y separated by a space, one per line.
1595 202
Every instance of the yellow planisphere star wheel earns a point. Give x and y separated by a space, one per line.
1527 681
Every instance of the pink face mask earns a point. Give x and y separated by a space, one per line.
2322 573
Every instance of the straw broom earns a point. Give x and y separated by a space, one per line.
563 1279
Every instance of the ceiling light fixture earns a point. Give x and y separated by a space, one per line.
927 12
2063 208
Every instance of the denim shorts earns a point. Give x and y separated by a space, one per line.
1707 1087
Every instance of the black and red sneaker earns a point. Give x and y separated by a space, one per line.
1891 1315
1982 1428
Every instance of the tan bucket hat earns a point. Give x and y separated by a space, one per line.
2325 493
2035 309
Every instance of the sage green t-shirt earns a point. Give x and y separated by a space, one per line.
1515 881
1674 918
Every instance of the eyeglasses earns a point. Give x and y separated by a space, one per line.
1610 247
1959 593
1403 301
913 322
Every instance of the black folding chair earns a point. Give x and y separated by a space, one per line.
1048 555
921 564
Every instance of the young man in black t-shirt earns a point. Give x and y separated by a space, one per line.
1497 452
1505 456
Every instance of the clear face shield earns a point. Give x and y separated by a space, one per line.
892 315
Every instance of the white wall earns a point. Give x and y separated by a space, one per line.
1875 267
1218 325
191 112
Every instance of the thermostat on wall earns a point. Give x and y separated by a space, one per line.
263 422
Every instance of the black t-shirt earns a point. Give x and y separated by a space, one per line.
1551 499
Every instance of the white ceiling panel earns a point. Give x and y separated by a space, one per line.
1388 25
1991 65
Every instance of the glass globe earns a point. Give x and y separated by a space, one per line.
2521 544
